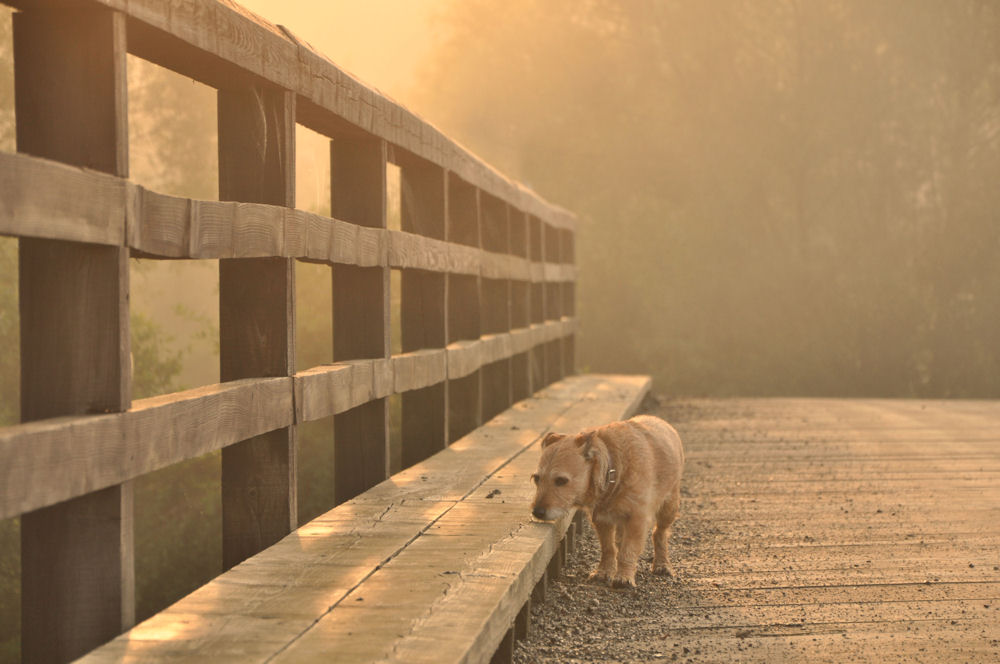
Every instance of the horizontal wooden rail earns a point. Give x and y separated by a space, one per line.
49 461
485 296
219 39
46 199
431 565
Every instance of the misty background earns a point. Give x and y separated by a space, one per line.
792 197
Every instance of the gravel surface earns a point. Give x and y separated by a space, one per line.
582 621
809 531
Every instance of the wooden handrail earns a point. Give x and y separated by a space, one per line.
487 308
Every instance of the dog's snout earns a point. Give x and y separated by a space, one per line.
538 513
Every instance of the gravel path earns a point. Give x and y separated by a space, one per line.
809 531
586 622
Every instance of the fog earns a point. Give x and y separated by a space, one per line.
775 198
794 197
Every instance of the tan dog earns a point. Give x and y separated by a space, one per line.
626 475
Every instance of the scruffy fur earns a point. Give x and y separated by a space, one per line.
648 458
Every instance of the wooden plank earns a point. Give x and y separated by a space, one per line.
46 199
419 369
256 313
463 303
361 305
423 423
215 42
52 460
83 453
468 575
50 200
423 317
258 608
828 538
77 579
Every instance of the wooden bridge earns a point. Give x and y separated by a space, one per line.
436 563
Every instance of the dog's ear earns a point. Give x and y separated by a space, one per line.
586 445
551 437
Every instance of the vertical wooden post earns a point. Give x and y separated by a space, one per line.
520 311
360 313
505 651
536 252
464 396
569 303
522 623
553 305
257 317
77 574
423 202
495 308
541 588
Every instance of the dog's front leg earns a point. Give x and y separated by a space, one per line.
634 534
606 535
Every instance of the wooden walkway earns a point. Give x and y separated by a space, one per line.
432 565
838 530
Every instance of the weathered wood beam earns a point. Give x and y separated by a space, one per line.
49 461
77 557
257 316
214 42
46 199
399 546
56 459
361 306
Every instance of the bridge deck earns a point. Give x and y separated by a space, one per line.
831 530
432 565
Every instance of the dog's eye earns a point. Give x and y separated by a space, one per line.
534 478
561 481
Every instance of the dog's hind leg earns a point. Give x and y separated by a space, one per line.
609 551
664 520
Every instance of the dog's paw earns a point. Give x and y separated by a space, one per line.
622 582
597 576
663 569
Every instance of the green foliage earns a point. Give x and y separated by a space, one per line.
154 369
787 197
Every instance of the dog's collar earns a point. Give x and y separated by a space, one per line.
610 484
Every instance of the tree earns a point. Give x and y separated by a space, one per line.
755 181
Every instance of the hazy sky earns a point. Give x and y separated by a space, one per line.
380 41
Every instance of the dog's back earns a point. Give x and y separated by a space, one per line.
663 437
652 459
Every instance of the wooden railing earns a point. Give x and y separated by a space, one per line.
487 306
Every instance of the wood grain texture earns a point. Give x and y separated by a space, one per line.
423 426
77 580
45 199
59 458
389 547
361 309
835 530
481 559
215 42
52 460
256 311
